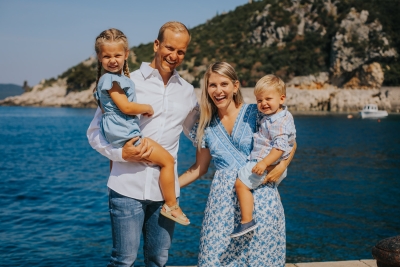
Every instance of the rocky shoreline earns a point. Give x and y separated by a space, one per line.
298 100
329 99
332 99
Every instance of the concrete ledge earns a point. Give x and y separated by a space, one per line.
360 263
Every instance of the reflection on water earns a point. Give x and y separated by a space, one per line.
341 195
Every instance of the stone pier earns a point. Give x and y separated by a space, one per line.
357 263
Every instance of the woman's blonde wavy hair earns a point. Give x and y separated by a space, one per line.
207 107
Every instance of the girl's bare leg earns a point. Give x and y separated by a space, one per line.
163 158
246 201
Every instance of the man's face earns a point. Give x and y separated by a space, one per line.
170 53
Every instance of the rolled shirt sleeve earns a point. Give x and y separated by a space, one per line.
281 142
190 122
99 143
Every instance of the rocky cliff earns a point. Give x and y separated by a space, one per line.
325 50
52 96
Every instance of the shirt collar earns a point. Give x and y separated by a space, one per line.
146 71
278 115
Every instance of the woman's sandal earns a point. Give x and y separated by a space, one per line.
167 213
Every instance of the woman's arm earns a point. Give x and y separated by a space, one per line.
274 172
126 107
198 169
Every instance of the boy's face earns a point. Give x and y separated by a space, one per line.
269 101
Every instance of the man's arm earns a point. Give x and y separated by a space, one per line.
276 171
127 153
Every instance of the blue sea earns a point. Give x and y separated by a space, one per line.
341 196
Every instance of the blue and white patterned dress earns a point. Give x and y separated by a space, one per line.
264 247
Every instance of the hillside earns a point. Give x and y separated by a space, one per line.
288 38
311 44
7 90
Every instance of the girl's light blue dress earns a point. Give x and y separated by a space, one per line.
266 245
116 127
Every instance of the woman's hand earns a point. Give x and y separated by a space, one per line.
275 172
138 153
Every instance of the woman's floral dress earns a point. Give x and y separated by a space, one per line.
265 246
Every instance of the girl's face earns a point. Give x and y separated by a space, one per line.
112 56
269 101
221 90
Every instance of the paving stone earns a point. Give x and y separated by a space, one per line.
332 264
370 263
361 263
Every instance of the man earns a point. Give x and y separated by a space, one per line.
135 198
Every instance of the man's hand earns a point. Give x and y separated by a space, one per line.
259 168
138 153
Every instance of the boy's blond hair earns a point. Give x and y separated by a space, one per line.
268 82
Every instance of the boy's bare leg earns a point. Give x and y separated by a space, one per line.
162 158
246 201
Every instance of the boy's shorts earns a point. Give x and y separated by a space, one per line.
252 180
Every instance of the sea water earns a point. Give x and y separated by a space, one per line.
341 196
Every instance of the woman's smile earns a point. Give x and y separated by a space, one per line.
221 90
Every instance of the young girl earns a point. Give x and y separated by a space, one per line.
272 143
115 94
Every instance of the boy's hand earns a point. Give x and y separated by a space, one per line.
259 169
149 111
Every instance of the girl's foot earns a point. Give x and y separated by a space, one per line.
175 213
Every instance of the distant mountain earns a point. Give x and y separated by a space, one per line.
9 89
290 38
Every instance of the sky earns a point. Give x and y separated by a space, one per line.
41 39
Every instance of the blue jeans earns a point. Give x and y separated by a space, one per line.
131 217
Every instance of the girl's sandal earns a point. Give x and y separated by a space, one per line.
166 211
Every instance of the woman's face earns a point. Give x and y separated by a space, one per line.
221 90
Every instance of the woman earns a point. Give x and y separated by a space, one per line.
224 133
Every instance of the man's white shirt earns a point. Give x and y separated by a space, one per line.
175 109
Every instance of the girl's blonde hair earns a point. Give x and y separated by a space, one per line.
207 106
109 36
